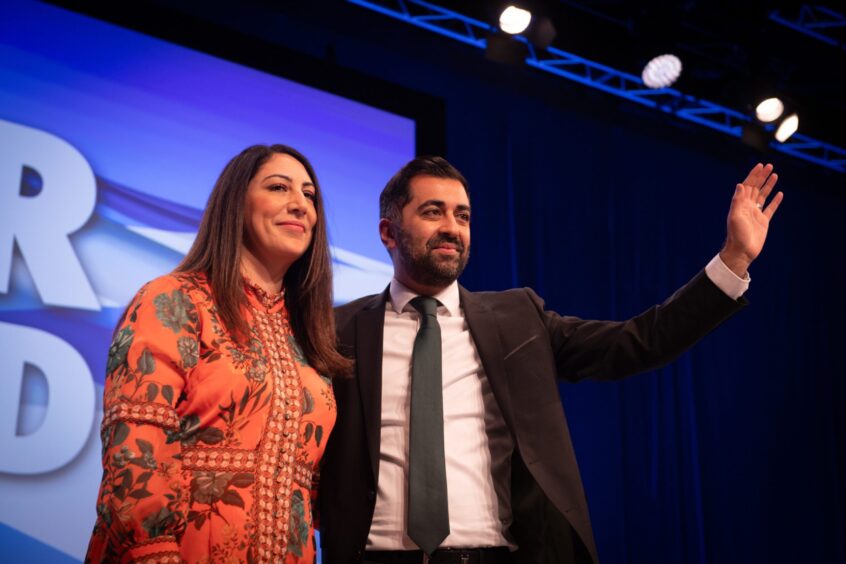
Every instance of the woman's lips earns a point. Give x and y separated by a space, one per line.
293 226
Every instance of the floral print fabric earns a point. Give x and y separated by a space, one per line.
210 446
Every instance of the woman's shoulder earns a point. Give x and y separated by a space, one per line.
192 285
177 300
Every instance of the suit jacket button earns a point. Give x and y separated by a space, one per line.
371 495
359 554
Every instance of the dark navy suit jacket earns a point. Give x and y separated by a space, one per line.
524 350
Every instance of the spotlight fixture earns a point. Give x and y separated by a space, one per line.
534 31
514 20
772 111
662 71
756 136
503 48
787 128
769 110
541 32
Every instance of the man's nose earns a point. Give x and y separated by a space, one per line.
449 224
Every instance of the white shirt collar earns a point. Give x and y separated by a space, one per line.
401 295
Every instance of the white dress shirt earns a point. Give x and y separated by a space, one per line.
477 443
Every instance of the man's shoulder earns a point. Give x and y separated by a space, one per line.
509 296
358 303
344 313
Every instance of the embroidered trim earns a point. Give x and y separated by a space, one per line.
303 475
218 459
141 412
277 451
266 299
157 540
239 460
159 558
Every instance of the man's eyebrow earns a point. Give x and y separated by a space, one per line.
442 204
289 179
438 203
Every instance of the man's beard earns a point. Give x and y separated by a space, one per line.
425 267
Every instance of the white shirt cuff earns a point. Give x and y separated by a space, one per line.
730 283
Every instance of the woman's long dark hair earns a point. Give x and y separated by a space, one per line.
216 252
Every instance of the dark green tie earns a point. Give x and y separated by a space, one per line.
428 513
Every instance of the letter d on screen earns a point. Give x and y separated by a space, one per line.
41 223
70 407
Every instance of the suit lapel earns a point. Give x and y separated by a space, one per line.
483 327
369 328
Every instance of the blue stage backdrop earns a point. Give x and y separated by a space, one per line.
735 453
110 142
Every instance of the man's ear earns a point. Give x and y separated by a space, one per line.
386 233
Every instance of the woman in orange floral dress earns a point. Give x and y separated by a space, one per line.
217 403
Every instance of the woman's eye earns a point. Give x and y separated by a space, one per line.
311 196
278 188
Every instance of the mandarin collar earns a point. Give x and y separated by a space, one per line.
448 297
267 300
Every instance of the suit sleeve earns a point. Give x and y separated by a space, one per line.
615 349
141 502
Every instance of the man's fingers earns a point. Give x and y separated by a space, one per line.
758 176
770 210
753 174
768 187
741 192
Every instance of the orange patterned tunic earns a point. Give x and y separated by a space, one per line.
209 446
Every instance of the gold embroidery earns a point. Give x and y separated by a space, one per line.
159 558
277 450
141 412
303 475
211 459
218 459
267 300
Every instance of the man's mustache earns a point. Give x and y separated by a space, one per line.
439 240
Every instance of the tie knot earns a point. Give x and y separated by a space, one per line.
425 305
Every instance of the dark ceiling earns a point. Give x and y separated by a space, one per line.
733 52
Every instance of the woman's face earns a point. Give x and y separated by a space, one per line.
280 213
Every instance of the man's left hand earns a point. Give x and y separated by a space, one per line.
749 218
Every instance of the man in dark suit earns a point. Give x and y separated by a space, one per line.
451 443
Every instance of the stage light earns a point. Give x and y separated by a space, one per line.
787 128
769 110
504 48
756 136
514 20
541 32
662 71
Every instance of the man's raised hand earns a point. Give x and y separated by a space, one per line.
749 218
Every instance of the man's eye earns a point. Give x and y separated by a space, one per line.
464 217
433 211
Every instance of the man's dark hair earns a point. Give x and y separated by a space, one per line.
396 194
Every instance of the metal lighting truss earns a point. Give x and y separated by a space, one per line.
573 67
814 21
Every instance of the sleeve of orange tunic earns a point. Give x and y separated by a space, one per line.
141 504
